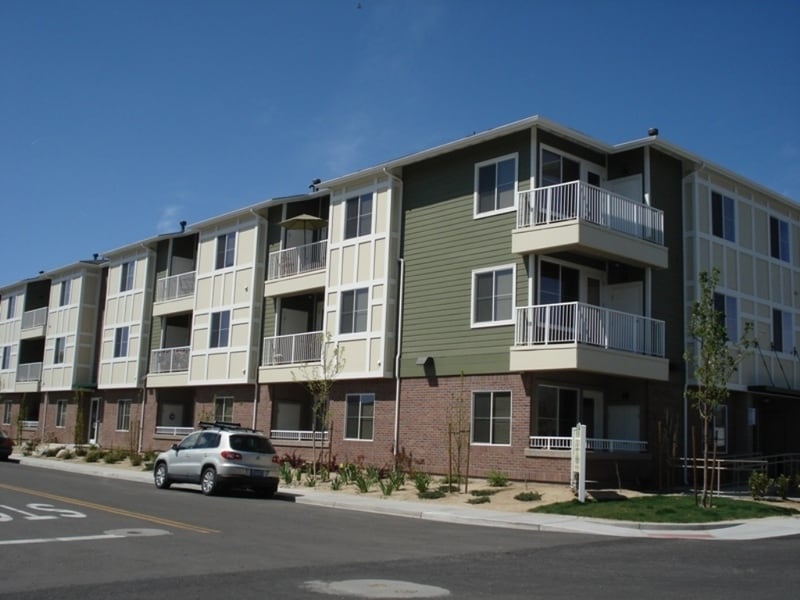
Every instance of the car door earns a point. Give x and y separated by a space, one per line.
198 455
179 457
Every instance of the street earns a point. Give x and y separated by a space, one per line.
66 535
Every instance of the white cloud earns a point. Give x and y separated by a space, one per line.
168 220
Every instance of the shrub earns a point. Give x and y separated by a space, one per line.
293 460
68 455
431 494
758 484
136 459
497 479
80 451
782 485
421 481
286 473
363 481
52 451
484 492
94 455
387 486
336 483
348 472
398 478
528 496
479 500
447 488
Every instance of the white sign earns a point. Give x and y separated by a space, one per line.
578 462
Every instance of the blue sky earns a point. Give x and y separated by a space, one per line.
120 118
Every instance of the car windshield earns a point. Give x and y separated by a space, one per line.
251 443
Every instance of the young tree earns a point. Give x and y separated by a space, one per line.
458 430
319 379
714 359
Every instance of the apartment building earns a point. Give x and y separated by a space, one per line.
507 285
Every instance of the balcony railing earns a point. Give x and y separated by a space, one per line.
29 372
579 201
176 431
34 318
575 322
175 286
547 442
170 360
300 259
291 435
291 349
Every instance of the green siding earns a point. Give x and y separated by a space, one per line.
443 244
155 333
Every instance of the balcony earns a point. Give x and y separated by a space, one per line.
175 293
296 269
579 217
582 337
282 354
33 323
291 435
170 360
546 442
27 372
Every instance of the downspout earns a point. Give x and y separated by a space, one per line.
143 392
399 340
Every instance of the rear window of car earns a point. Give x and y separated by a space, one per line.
251 443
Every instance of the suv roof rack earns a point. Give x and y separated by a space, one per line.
223 425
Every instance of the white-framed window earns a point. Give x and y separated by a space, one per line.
223 409
226 250
491 418
495 185
7 412
493 296
58 351
121 342
11 307
126 276
123 415
61 413
782 331
359 416
728 307
5 358
220 329
557 410
353 312
779 239
358 216
64 292
723 217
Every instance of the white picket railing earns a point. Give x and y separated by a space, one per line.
296 260
34 318
170 360
176 431
549 442
291 349
292 435
29 372
575 322
175 286
581 201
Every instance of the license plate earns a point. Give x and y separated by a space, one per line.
258 473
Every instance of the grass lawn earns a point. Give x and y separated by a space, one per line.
667 509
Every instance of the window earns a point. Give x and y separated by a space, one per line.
354 311
58 353
359 416
493 296
121 342
123 415
723 220
556 169
782 331
557 411
61 413
491 418
63 298
358 216
126 278
727 307
779 239
558 283
11 307
7 413
495 184
5 358
223 408
220 327
226 249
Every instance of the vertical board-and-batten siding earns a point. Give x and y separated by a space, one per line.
442 246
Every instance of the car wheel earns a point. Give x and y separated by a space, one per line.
208 481
160 476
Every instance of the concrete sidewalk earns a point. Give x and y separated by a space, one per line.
752 529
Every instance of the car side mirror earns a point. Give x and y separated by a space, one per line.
175 447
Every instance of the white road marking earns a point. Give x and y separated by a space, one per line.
113 534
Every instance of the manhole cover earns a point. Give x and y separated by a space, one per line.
377 588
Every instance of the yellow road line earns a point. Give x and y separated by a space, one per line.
110 509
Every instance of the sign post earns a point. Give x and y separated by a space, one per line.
578 462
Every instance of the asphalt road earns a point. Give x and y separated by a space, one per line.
65 536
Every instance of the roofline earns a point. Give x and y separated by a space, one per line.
53 273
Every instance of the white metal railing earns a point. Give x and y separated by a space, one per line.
581 201
30 424
575 322
290 349
34 318
175 286
300 259
29 372
170 360
160 430
549 442
291 435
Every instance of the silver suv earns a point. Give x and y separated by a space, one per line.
219 456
